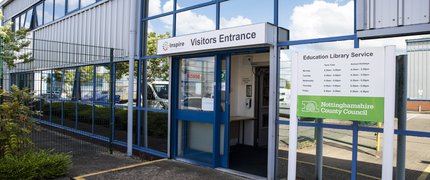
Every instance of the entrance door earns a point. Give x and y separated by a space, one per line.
263 105
200 110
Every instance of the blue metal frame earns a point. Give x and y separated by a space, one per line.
215 117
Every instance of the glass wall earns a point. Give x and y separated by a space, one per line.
47 11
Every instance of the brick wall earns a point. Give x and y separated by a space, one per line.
413 105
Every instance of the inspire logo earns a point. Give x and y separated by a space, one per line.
166 46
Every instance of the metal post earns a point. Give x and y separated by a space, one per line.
354 150
111 99
401 79
319 151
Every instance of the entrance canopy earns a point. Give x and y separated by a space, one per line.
262 34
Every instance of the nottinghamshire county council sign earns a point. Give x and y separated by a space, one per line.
342 84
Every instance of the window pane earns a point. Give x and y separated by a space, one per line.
316 19
86 83
39 15
56 112
121 125
195 141
48 13
85 117
68 90
72 5
157 84
102 120
196 20
69 111
22 19
159 6
157 131
187 3
232 16
16 23
196 84
60 8
102 84
85 3
159 28
282 155
28 19
121 84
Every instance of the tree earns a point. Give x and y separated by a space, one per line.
157 68
13 44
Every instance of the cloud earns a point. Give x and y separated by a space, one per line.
189 22
322 19
234 21
154 7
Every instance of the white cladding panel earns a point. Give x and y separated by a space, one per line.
376 14
105 25
419 70
17 6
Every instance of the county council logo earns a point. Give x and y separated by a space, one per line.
310 106
166 46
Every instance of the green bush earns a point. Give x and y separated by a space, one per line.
35 165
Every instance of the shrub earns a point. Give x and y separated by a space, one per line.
15 121
35 165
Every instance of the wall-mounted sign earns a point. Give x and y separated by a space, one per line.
249 35
343 84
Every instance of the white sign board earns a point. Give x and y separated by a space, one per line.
342 84
249 35
353 84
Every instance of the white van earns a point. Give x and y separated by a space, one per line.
284 102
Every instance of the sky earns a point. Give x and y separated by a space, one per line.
306 19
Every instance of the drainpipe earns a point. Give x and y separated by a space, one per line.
132 46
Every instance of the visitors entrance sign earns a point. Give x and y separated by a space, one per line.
229 38
342 84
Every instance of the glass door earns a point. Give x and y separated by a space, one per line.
200 108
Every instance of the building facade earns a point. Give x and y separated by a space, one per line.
223 106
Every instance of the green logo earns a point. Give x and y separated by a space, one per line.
310 106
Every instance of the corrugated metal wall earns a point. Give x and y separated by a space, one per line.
419 69
83 37
16 7
375 14
105 25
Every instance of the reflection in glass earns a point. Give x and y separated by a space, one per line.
48 14
72 5
28 19
231 16
121 125
56 111
102 120
85 3
157 131
316 19
157 84
159 28
60 8
196 83
39 15
85 117
187 3
121 84
156 7
196 20
86 75
102 84
69 112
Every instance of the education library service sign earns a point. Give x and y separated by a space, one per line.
342 84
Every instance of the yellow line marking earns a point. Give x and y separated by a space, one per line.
335 168
82 177
425 173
